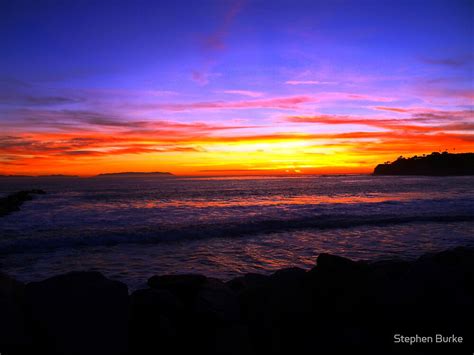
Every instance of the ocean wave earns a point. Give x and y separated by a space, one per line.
58 238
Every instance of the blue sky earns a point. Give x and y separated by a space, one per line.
94 66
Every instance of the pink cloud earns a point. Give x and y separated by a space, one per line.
243 93
308 82
349 96
288 102
291 102
429 121
392 109
215 42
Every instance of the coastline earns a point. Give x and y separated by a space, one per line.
13 202
337 306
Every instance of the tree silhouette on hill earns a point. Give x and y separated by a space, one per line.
439 164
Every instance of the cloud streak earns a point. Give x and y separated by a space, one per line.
308 82
429 121
243 93
285 103
454 62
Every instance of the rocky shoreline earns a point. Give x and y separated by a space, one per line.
13 202
339 306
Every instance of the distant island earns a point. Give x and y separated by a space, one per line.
136 174
39 176
434 164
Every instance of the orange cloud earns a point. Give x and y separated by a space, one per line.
392 109
109 143
461 118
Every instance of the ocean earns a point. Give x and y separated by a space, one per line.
133 228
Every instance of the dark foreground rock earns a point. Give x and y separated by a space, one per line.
12 202
184 313
78 313
338 307
14 337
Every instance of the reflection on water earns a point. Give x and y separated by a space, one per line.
285 200
226 258
222 226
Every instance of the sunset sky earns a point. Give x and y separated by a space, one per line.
232 87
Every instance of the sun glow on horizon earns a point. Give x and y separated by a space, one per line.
234 94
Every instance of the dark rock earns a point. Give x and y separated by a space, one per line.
217 300
156 302
12 202
177 281
248 281
277 312
337 281
185 287
233 341
10 288
460 258
445 282
390 268
37 191
14 336
157 317
339 306
288 292
433 293
333 263
79 313
386 280
339 289
288 276
206 306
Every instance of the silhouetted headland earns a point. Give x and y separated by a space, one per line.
12 202
338 307
136 174
434 164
